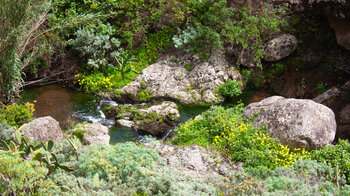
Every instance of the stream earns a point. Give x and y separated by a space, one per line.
69 107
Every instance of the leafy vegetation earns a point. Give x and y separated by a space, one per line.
229 131
16 114
104 39
230 89
336 157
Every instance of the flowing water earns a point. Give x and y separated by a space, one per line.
67 106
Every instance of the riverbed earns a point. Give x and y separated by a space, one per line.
69 107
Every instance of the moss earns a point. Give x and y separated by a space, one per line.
188 67
117 92
144 95
143 84
194 96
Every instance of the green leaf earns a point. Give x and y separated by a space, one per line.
52 167
96 180
43 145
23 127
54 157
5 145
49 145
21 147
38 156
13 146
127 71
66 168
110 66
18 137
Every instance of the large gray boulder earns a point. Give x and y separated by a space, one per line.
94 133
295 122
280 47
183 78
43 129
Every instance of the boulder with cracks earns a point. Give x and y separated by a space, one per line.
295 122
184 79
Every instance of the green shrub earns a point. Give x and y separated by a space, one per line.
230 89
144 95
64 151
321 87
95 47
102 159
125 169
6 132
337 157
79 133
16 114
212 24
229 131
305 177
21 177
97 81
133 20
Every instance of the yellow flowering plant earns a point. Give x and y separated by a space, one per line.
16 114
229 131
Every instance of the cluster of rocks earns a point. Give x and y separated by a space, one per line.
196 160
156 119
46 128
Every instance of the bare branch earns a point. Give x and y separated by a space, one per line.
41 20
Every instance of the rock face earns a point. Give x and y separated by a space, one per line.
196 159
280 47
44 129
342 30
184 78
337 11
295 122
94 134
155 119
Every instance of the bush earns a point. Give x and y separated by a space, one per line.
234 135
124 169
95 47
305 177
102 159
16 114
230 89
6 132
213 25
19 176
337 157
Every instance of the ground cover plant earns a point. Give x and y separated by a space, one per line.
68 167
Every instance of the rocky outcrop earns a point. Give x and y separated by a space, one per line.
337 11
295 122
196 159
155 119
342 30
93 134
280 47
183 78
43 129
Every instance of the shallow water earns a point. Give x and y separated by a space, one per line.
66 105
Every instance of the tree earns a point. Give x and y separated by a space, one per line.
19 23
